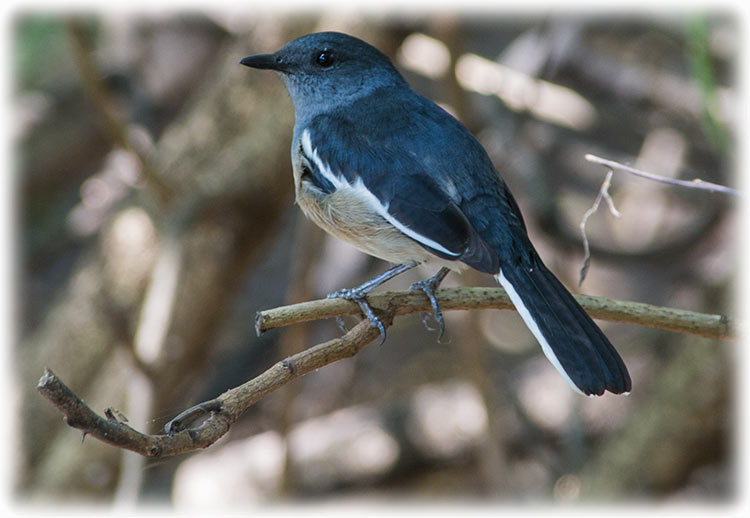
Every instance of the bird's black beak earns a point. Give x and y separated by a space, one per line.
265 61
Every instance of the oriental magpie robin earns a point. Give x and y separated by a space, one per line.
387 170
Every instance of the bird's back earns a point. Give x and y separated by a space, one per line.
407 140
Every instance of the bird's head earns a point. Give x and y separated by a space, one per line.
326 69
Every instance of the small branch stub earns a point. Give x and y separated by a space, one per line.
112 431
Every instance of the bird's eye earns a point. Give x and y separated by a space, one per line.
324 58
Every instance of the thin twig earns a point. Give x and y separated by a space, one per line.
603 193
697 183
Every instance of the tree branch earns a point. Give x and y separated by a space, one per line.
696 183
228 407
719 327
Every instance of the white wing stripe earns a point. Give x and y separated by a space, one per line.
361 190
337 181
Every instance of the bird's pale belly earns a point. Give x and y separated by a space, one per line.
347 216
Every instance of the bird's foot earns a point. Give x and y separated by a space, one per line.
359 296
428 287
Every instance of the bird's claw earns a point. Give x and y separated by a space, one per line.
428 287
360 298
342 325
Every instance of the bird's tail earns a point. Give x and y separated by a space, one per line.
569 338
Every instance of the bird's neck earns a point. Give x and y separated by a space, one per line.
312 102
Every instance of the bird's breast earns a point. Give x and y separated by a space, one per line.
347 212
344 214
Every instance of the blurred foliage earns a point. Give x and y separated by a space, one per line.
40 50
703 70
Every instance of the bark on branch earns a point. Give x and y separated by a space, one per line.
720 327
227 408
230 405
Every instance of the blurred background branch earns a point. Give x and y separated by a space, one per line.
91 81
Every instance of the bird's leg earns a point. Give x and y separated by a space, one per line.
428 286
359 295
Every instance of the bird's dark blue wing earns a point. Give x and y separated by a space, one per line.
396 173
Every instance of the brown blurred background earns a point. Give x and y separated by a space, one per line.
156 217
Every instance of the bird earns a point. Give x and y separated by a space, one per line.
389 171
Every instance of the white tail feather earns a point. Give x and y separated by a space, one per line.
534 328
